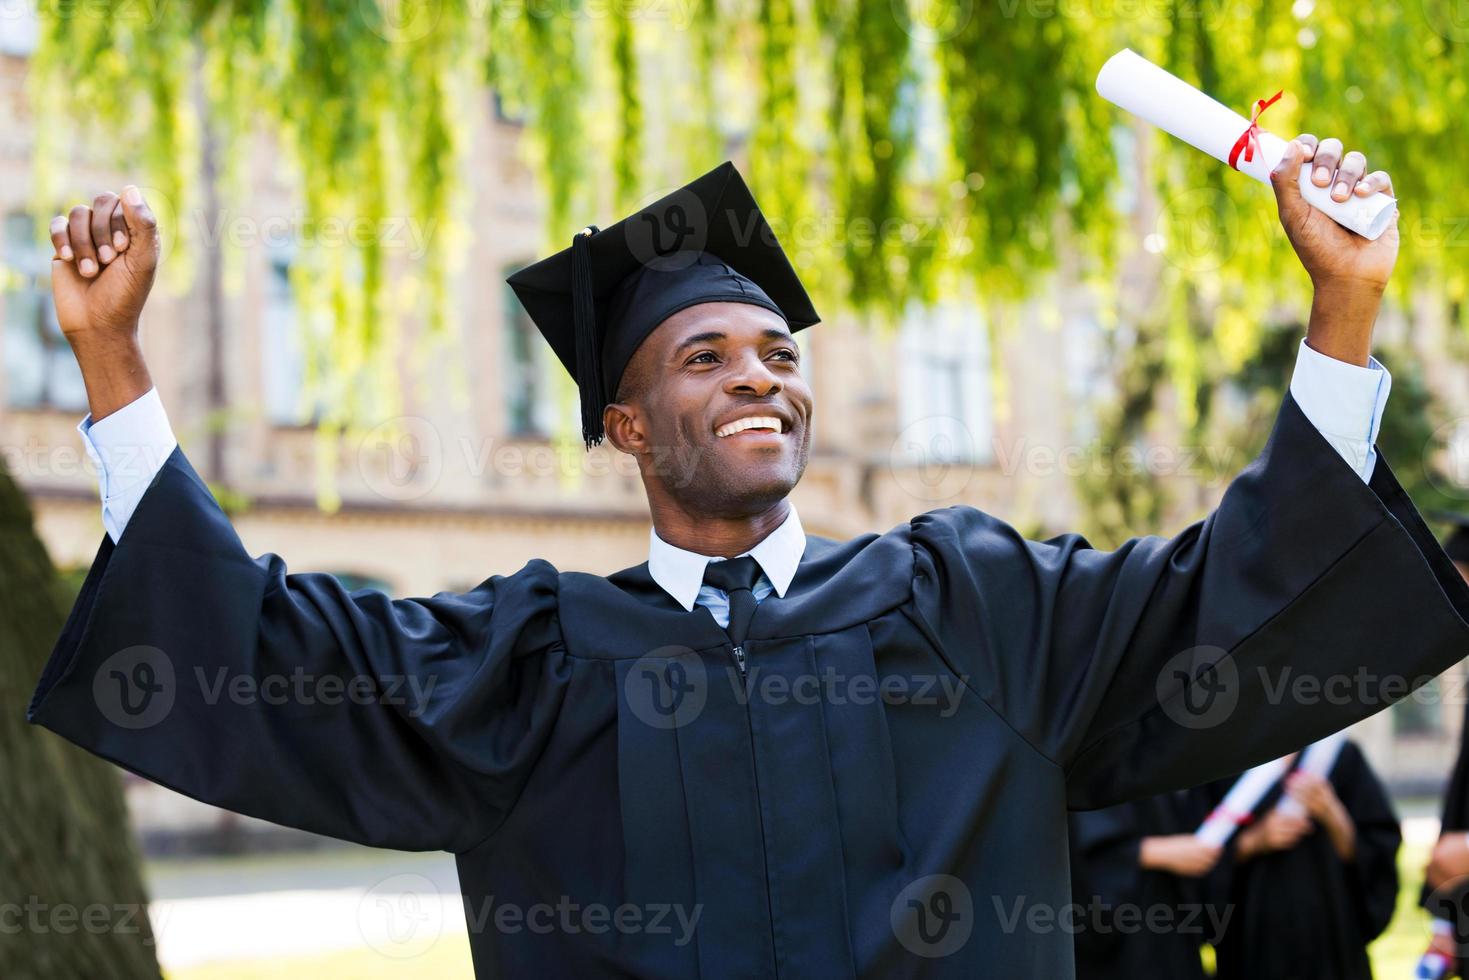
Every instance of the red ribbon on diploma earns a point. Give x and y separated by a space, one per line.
1246 141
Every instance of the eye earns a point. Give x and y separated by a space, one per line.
790 355
706 353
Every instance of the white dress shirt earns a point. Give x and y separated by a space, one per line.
128 448
1343 401
681 573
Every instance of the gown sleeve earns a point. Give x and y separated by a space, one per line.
1372 874
407 723
1307 601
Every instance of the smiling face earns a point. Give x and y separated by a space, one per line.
714 407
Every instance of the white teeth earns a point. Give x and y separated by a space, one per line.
753 422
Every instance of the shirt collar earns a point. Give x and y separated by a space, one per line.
681 572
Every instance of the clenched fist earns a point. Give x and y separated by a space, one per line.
106 258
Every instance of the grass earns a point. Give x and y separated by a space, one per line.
1394 954
1396 951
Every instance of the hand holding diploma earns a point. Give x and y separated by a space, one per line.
1349 272
1321 193
1132 82
1331 254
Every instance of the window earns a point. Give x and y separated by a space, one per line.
944 401
40 371
283 347
1420 713
529 400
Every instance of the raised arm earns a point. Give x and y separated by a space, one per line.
1312 597
105 261
409 723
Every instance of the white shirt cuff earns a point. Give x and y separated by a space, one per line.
1344 402
128 447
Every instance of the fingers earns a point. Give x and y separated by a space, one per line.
1377 181
1285 182
1353 166
119 226
79 228
102 208
91 237
142 226
1328 155
1344 173
60 240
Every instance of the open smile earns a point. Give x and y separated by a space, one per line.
754 425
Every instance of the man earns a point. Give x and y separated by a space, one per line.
827 758
1444 892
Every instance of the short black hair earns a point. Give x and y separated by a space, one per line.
633 383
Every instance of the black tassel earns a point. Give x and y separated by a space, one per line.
588 348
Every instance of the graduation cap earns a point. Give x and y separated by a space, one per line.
598 299
1456 544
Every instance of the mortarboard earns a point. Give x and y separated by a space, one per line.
1456 543
598 299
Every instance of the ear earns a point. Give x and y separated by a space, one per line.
624 428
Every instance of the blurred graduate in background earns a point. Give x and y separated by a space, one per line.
1311 879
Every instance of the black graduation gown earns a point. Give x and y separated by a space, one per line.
1305 914
1136 922
1452 903
906 834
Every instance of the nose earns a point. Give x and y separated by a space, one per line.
750 375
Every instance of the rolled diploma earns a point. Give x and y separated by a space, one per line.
1132 82
1318 759
1248 790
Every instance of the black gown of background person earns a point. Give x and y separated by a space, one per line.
1304 913
1451 902
1105 870
584 740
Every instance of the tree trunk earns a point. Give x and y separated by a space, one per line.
72 901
